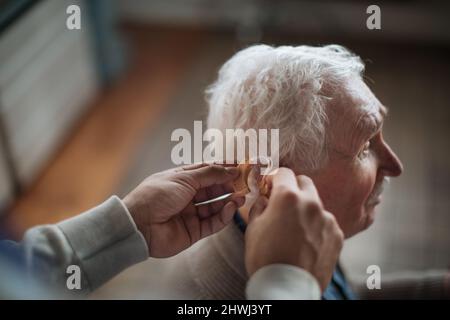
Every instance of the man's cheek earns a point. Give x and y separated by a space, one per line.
359 183
366 186
336 199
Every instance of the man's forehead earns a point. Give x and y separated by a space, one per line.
356 108
356 117
373 112
363 103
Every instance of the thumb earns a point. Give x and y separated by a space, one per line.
209 175
257 209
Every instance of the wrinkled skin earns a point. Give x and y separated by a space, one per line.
350 183
359 160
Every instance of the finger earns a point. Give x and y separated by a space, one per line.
203 211
212 174
209 193
213 191
258 207
307 187
206 210
197 166
191 166
203 164
283 178
191 221
238 198
226 164
213 207
218 221
187 167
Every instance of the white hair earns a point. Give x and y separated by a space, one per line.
264 87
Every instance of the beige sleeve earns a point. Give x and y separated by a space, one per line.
282 282
102 242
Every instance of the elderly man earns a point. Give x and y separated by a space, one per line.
330 130
330 122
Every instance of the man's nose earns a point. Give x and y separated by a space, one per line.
390 163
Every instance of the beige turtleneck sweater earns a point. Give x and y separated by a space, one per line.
214 269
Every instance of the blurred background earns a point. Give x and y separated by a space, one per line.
89 113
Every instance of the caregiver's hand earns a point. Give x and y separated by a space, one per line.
162 206
292 227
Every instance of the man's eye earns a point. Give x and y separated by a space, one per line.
365 150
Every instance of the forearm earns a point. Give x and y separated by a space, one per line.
102 242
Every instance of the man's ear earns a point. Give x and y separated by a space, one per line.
240 185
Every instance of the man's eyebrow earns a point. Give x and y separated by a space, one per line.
371 123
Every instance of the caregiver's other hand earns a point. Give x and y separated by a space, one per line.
292 227
162 206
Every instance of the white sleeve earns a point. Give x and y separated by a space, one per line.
102 241
282 282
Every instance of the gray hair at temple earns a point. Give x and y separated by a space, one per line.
286 88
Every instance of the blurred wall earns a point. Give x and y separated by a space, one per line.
47 78
413 21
